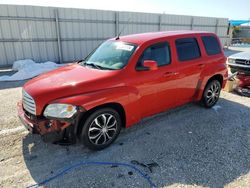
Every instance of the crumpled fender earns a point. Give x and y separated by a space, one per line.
126 96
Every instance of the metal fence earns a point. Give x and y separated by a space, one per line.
65 34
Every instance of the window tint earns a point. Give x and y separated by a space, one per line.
187 49
158 52
211 44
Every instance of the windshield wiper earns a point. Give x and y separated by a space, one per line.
106 68
93 65
98 66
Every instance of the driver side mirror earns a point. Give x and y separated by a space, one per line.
150 64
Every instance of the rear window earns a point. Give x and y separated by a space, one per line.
211 44
187 49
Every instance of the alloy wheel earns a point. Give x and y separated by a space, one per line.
213 93
102 129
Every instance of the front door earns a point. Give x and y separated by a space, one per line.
157 88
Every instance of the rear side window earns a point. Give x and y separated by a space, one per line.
211 44
157 52
187 49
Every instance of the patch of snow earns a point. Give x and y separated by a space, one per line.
28 68
21 64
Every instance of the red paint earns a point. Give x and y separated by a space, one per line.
151 65
140 93
244 81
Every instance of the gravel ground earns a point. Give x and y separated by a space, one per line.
8 101
190 147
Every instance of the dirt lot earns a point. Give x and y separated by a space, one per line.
192 147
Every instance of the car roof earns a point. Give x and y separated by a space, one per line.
145 37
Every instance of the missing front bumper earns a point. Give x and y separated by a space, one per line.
41 126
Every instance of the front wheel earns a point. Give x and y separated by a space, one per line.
211 93
101 128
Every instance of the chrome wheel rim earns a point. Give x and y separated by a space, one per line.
213 94
102 129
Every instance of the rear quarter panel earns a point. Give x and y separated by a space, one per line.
213 65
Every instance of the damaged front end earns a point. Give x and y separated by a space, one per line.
52 129
240 69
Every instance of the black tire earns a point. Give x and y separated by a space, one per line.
96 122
211 94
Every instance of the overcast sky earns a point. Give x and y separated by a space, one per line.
232 9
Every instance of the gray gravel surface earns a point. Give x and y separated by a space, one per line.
192 146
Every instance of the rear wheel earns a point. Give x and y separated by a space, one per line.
211 93
101 128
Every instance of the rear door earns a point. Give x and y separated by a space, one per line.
189 67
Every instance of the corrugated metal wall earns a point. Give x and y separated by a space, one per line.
65 34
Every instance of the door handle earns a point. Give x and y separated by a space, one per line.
166 74
201 65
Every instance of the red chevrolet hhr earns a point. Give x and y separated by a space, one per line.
122 81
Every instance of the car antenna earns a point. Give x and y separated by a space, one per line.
124 26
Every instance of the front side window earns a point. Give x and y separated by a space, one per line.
157 52
112 55
211 45
187 49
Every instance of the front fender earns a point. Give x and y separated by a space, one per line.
126 96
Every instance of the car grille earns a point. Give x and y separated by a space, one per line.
242 61
29 103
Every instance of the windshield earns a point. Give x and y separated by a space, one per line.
111 55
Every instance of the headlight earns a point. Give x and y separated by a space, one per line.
60 110
231 60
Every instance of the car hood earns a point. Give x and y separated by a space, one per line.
67 81
241 55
